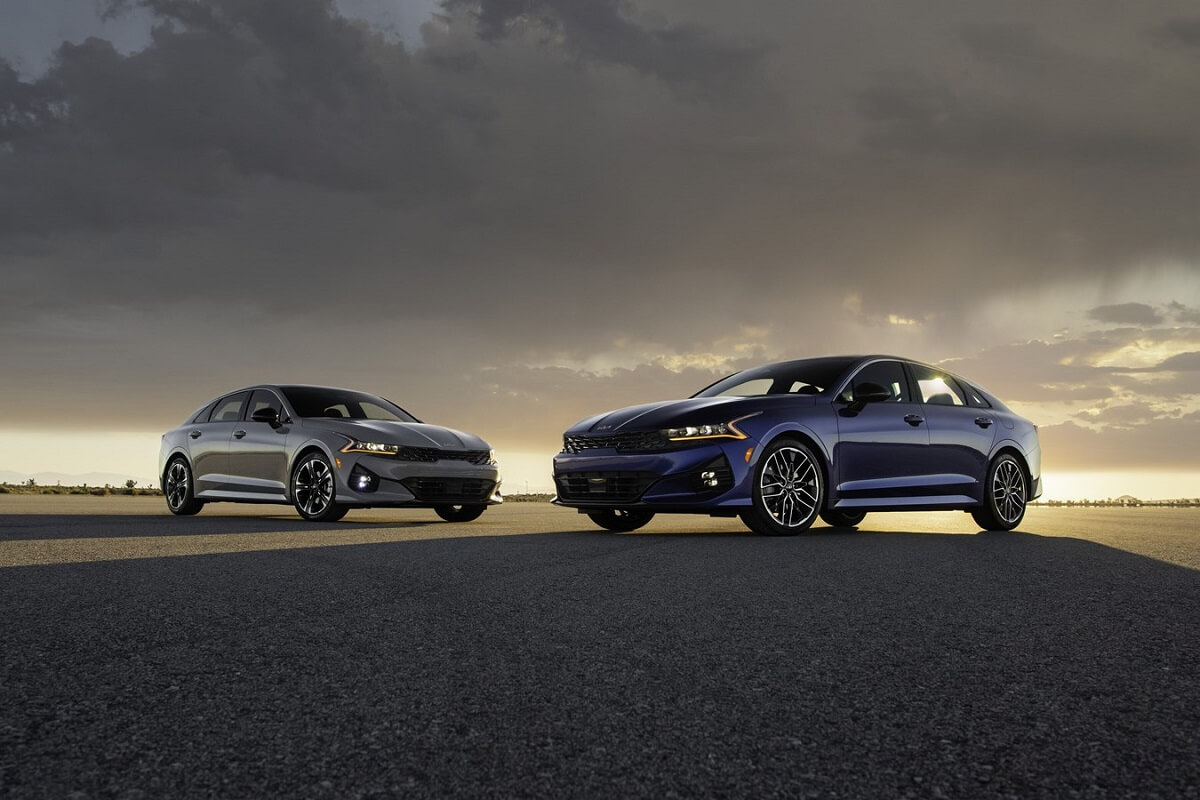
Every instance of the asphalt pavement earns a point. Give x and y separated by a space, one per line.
245 653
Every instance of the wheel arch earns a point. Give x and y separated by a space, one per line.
312 446
1011 449
814 444
176 453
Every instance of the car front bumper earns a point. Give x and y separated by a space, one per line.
414 483
676 480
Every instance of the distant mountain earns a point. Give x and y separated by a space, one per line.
89 479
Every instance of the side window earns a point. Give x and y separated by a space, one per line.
228 409
263 399
202 414
876 380
937 388
975 398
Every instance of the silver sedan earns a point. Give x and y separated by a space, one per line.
323 450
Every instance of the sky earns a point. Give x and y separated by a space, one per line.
507 215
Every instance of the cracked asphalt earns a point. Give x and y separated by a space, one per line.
244 653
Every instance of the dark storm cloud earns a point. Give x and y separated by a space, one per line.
604 30
1182 31
1126 314
271 190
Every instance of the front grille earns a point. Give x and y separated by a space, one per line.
449 489
429 455
611 486
635 442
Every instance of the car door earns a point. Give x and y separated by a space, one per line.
258 450
209 443
883 444
960 432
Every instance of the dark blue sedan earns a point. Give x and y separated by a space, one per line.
785 443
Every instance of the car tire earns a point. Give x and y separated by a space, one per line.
179 488
838 518
788 490
314 489
620 520
1005 494
460 513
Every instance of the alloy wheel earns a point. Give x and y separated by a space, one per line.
790 487
314 487
177 484
1008 492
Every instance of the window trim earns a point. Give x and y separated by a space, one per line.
221 400
283 409
904 369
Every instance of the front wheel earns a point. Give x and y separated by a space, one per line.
179 489
843 519
620 520
313 490
789 489
1004 496
459 513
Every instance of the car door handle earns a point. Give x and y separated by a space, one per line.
914 419
238 434
194 434
983 422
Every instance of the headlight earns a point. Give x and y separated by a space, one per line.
375 448
719 430
491 462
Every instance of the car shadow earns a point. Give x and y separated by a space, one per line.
17 527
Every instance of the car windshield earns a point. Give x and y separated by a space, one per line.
319 401
811 376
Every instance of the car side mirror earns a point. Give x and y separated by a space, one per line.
267 415
865 393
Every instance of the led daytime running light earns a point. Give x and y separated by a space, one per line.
721 430
374 448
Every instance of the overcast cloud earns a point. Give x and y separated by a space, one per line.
525 211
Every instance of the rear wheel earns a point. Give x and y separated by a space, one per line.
459 513
179 489
314 489
788 489
843 519
1004 496
620 519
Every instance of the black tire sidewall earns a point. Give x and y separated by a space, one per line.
843 519
610 519
460 512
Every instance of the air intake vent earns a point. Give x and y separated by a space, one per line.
609 486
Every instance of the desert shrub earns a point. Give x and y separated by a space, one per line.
4 489
98 492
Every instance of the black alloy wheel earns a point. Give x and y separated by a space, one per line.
314 489
460 513
788 491
621 520
1004 495
179 488
838 518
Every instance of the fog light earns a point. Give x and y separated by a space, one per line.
363 480
715 476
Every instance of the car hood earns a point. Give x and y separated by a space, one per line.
411 434
672 413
